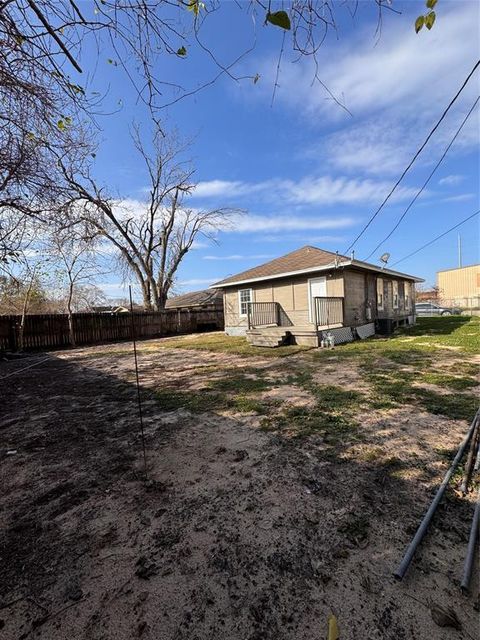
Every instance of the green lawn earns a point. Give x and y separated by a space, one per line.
429 333
222 343
418 366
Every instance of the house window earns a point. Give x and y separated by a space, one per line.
380 294
395 294
244 297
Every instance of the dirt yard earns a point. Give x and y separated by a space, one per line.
282 487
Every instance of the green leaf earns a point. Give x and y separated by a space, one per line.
195 6
431 3
68 120
430 19
19 39
94 155
279 19
419 22
61 125
182 51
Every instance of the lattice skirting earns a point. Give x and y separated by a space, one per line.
342 334
366 330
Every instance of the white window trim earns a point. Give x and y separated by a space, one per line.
243 315
380 305
395 296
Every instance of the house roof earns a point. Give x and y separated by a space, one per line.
195 299
304 260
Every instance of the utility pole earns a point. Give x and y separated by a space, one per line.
459 251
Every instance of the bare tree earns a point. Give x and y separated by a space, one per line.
49 37
152 241
74 255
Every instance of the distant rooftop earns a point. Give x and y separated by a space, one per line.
195 299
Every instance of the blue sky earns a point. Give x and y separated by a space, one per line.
303 169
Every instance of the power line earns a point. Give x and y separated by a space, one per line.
442 117
437 238
419 192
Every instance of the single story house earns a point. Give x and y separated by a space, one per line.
306 295
206 299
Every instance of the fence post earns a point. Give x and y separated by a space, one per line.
248 315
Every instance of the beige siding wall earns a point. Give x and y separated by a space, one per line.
292 296
404 307
355 298
290 293
456 284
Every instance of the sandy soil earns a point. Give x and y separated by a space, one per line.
236 533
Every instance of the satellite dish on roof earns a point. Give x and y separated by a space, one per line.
385 258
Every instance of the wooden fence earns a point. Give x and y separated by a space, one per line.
50 331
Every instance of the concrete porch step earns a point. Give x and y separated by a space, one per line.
266 337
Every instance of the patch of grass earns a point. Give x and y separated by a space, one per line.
219 342
455 406
206 400
194 401
332 416
245 404
446 453
395 388
445 380
465 368
372 454
239 383
298 422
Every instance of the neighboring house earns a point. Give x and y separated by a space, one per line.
111 309
460 287
206 306
305 295
206 299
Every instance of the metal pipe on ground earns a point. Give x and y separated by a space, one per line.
477 462
470 458
422 529
470 557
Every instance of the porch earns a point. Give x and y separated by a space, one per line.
269 326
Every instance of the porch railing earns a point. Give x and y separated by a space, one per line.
263 314
328 310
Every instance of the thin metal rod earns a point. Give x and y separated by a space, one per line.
477 462
470 459
139 398
35 364
470 557
422 529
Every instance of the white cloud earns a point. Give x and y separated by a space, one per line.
461 197
402 68
310 190
197 281
260 256
451 181
257 223
396 89
216 188
310 239
113 289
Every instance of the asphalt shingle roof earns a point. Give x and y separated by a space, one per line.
305 258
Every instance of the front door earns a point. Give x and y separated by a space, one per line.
317 288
